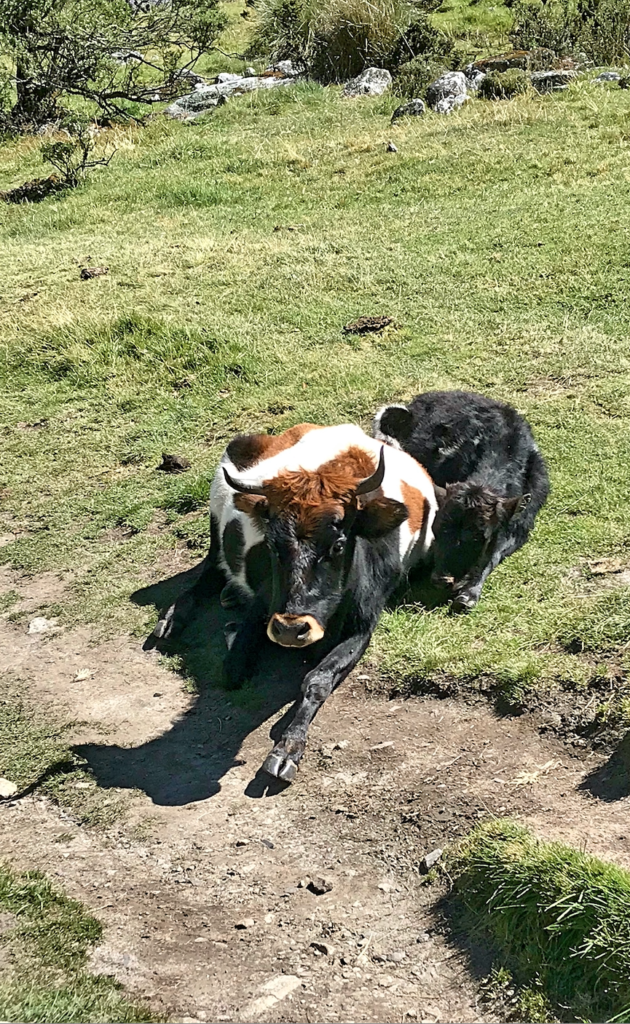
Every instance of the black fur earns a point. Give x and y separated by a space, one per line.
483 453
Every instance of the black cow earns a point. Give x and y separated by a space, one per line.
491 481
314 529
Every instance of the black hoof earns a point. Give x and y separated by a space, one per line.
281 765
464 603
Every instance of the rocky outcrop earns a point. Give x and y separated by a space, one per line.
371 82
206 97
448 93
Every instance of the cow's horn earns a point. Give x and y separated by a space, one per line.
371 483
243 488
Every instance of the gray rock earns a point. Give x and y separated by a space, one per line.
323 947
474 77
448 93
205 97
250 72
608 76
371 82
391 148
552 81
415 108
285 67
429 861
227 76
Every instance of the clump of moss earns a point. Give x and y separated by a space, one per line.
504 85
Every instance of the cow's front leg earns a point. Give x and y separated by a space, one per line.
285 757
244 643
469 594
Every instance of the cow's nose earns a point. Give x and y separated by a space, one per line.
294 630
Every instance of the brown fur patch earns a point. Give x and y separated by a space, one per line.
327 491
246 450
416 505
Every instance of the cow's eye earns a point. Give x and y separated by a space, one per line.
338 547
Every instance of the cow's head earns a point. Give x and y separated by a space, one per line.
469 518
312 520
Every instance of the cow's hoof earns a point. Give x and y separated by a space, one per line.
464 602
169 626
281 766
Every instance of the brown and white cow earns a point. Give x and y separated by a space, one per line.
315 528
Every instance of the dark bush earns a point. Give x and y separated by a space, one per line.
334 40
598 30
503 85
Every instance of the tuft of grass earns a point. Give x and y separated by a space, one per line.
558 917
47 981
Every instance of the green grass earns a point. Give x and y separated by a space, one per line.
35 753
47 979
497 238
559 919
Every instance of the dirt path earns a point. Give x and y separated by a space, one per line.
204 847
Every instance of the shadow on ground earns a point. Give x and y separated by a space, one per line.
611 781
187 763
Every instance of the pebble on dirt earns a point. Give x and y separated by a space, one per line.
430 860
41 625
247 922
319 885
323 947
7 789
88 273
173 463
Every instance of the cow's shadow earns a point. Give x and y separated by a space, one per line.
611 781
187 762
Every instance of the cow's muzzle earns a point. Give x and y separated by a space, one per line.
294 630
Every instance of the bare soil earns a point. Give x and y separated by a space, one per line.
202 885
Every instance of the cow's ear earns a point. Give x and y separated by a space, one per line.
254 505
379 517
441 494
513 506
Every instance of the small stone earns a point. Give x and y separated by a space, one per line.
173 464
391 148
323 947
415 108
383 745
7 789
87 273
82 675
41 625
268 844
242 842
249 72
608 76
396 957
320 885
386 887
429 861
412 1013
247 922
